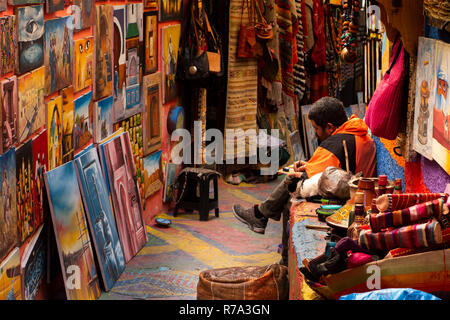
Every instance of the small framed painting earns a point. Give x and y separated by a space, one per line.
150 42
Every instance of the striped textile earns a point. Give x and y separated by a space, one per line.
416 236
393 202
408 216
241 101
299 67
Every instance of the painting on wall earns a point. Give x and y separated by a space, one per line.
441 111
152 113
2 5
120 60
132 66
170 10
169 182
82 127
103 123
152 174
40 165
68 115
10 280
55 130
8 44
170 41
100 218
22 2
34 264
133 11
86 13
125 195
54 5
31 105
24 190
8 114
103 79
58 54
30 38
84 63
9 236
150 42
71 232
309 134
151 4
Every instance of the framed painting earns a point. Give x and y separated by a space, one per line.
103 123
152 113
82 126
24 190
100 217
76 256
40 165
84 63
8 115
150 42
133 66
55 131
170 40
10 280
134 10
30 41
120 62
8 44
152 174
103 79
151 4
85 14
68 112
8 220
58 57
170 10
125 194
54 5
169 182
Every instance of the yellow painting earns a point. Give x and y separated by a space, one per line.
68 115
10 283
84 55
170 41
54 126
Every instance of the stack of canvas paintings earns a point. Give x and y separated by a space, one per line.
100 217
76 256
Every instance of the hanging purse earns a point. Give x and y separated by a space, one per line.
247 34
214 57
263 30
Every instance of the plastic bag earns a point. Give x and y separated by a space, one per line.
391 294
333 184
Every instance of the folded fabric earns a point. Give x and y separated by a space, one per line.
408 216
356 259
348 244
393 202
416 236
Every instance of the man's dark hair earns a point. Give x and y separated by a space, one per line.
328 110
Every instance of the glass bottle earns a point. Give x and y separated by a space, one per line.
398 186
354 229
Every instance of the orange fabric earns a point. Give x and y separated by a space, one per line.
321 159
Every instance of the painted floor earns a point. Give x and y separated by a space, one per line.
169 265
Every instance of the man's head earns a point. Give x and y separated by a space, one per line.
326 115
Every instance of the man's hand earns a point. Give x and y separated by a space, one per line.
295 175
299 166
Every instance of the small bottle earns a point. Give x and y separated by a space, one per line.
398 186
382 184
354 229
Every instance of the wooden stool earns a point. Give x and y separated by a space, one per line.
188 199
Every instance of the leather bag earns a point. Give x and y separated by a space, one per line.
247 33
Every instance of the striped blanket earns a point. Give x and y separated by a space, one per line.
393 202
408 216
416 236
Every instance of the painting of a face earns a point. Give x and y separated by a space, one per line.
30 37
83 63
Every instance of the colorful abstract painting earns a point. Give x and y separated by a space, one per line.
68 116
85 12
10 280
30 38
103 123
170 10
441 111
152 174
125 195
100 218
151 42
8 44
103 80
9 236
54 5
82 126
120 63
24 190
40 165
76 256
170 41
58 54
8 114
31 105
84 63
55 131
152 113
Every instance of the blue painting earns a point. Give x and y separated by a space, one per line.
133 96
82 127
103 119
100 218
30 38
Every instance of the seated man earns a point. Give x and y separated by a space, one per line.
332 127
